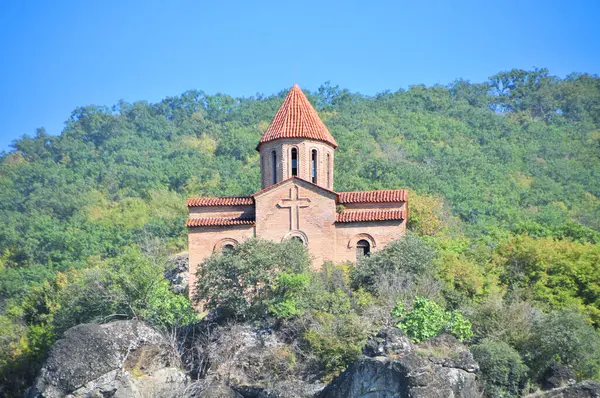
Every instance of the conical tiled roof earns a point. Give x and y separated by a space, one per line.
296 118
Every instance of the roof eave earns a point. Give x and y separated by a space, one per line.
334 145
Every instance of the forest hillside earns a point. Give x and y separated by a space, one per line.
504 180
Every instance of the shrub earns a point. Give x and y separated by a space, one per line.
130 286
335 340
289 295
427 319
566 338
507 321
245 281
502 369
408 256
554 274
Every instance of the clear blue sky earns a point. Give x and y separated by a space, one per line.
58 55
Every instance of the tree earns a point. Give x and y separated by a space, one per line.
502 369
564 337
242 283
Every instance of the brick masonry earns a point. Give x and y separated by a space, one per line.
294 206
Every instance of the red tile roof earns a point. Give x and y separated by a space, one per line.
224 201
296 118
217 221
383 196
369 215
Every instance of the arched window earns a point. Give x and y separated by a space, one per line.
363 248
274 166
294 162
296 236
329 171
228 247
314 165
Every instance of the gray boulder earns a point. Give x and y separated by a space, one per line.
403 370
390 341
585 389
118 359
254 362
557 375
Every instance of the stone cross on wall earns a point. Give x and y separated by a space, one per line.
294 203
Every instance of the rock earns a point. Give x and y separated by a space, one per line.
585 389
203 389
255 362
389 341
556 376
118 359
407 372
177 273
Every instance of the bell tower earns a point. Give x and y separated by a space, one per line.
297 144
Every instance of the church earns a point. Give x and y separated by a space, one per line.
297 199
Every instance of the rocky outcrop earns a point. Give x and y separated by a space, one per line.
177 273
118 359
585 389
130 359
557 376
253 362
396 368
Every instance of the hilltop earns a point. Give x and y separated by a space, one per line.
504 178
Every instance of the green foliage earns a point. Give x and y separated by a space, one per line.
501 368
336 340
565 337
554 274
458 326
429 216
427 319
409 256
288 295
128 286
507 321
255 274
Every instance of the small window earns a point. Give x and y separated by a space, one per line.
227 248
274 166
363 248
314 165
294 162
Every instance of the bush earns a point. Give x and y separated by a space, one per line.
427 319
502 369
554 274
407 257
130 286
507 321
566 338
289 295
256 274
335 340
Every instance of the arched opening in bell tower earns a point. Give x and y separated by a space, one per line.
314 162
294 162
274 167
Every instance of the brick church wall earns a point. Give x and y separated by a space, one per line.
202 242
379 232
316 220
